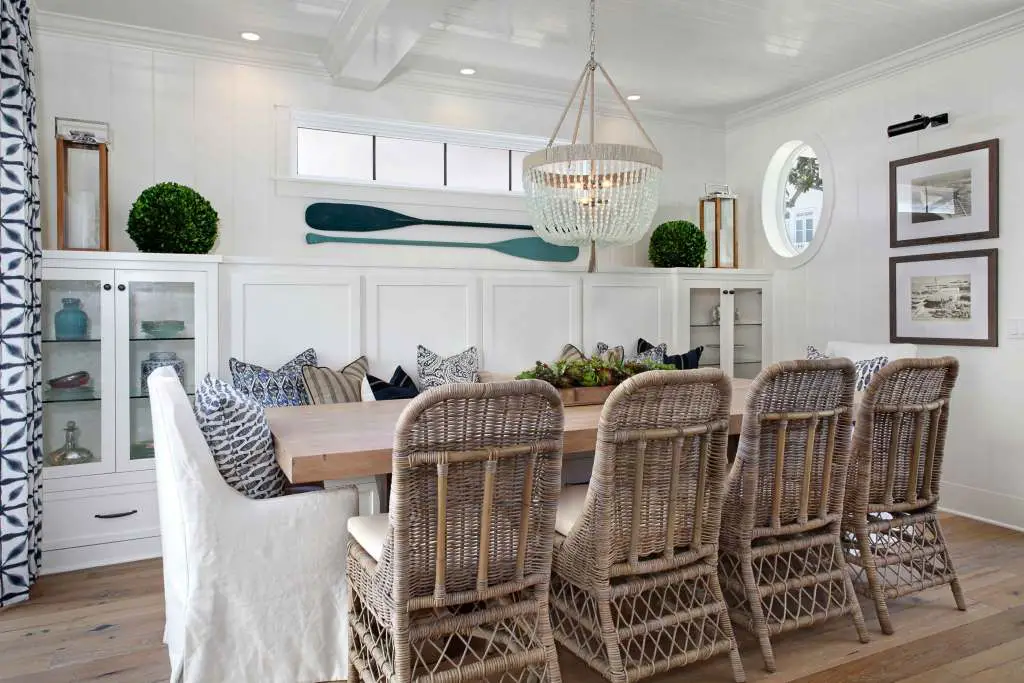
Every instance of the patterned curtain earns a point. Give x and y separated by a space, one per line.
21 409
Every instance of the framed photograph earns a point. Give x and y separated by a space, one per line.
946 196
950 298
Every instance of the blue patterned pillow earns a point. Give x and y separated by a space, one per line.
284 387
867 368
814 354
435 370
236 430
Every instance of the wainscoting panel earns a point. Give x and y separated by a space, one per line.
278 312
619 308
436 309
529 318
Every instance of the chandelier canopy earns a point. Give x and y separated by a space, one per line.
592 193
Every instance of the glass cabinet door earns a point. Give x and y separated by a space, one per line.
158 325
748 332
78 370
705 323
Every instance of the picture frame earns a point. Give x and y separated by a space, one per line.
947 196
948 298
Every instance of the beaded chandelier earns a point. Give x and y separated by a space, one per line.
592 193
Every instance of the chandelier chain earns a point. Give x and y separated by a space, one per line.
593 31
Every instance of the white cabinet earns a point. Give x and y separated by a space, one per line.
729 316
108 319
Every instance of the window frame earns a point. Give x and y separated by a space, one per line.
288 182
773 221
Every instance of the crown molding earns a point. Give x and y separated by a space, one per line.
53 23
494 90
960 41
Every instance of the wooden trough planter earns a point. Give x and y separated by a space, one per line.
585 396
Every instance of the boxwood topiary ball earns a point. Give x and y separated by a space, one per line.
169 218
677 244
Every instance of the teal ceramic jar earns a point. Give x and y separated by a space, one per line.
71 323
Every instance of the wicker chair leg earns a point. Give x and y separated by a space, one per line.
757 612
616 669
851 597
954 584
725 623
547 638
867 560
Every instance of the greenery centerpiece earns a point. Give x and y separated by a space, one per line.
169 218
588 381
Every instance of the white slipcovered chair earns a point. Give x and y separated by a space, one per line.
857 351
254 589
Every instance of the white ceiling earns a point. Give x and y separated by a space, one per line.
682 56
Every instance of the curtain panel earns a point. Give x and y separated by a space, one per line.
21 409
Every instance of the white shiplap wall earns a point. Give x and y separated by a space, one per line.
843 292
211 124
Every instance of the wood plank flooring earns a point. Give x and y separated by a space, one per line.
106 625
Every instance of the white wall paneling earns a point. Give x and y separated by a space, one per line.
276 312
842 293
439 310
618 308
529 318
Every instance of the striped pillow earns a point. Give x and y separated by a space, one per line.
335 386
570 352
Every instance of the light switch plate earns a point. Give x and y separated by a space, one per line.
1015 328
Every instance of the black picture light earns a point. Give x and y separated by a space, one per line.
919 122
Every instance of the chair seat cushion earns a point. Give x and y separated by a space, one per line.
570 508
369 532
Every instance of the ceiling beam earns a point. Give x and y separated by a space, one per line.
371 37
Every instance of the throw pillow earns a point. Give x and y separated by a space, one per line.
683 361
814 354
611 354
867 368
400 386
365 392
647 352
570 352
283 387
435 370
335 386
236 430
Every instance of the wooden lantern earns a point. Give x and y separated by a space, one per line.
82 204
718 222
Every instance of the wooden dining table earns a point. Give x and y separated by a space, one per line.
354 440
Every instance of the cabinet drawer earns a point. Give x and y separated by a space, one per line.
103 515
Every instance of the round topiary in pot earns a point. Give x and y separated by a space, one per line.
169 218
677 244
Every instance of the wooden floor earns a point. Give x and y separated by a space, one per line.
105 625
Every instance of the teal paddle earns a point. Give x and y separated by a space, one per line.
532 248
359 218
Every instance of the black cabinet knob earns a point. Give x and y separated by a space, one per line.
120 288
106 287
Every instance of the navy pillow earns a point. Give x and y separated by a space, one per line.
400 386
683 361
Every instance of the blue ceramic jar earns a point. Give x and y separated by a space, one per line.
159 359
71 323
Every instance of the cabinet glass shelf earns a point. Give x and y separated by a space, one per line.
734 325
97 397
71 341
158 339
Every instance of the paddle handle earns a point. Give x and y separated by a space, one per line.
313 238
471 224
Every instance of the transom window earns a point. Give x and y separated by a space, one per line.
408 155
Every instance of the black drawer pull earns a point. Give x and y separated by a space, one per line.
116 515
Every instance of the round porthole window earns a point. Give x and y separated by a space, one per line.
793 205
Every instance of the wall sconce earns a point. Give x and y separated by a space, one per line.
718 222
919 122
82 207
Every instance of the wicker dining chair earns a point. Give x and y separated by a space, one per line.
891 531
452 584
634 588
781 560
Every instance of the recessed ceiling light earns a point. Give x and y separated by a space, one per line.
467 71
632 98
250 36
